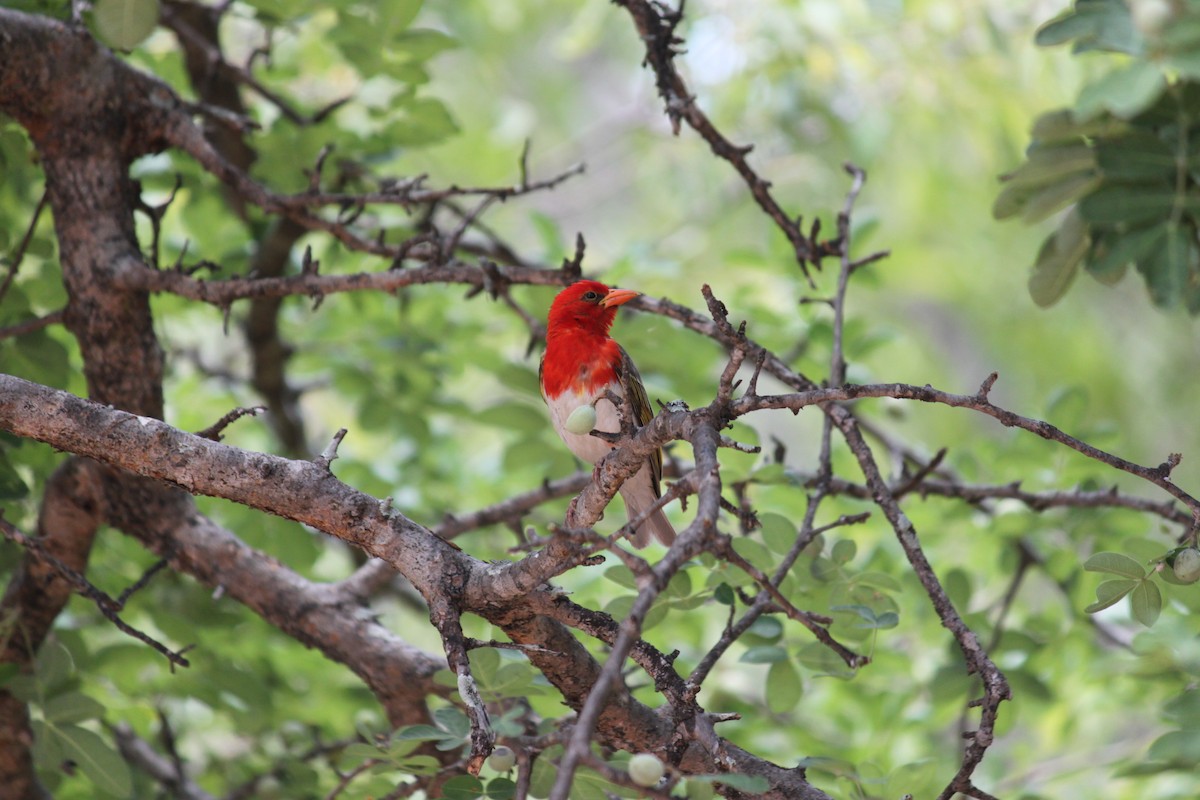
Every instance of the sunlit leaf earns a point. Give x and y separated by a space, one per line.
96 757
1109 593
1125 91
1145 601
1115 564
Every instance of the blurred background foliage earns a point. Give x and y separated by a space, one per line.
935 99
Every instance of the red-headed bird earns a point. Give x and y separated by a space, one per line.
581 363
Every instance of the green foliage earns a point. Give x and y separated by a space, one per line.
440 395
1123 159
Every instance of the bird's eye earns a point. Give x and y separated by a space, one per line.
591 297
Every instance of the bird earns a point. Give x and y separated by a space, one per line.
581 364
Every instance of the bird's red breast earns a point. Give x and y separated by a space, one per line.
580 355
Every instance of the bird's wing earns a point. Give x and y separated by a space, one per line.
632 379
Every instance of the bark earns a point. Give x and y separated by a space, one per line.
72 509
448 578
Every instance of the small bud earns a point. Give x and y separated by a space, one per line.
581 420
645 769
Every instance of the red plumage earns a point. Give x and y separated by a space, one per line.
581 363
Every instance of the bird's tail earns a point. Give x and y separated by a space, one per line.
657 523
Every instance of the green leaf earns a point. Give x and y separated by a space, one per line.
1011 200
124 24
680 586
765 627
877 580
1109 593
699 787
1054 197
771 473
887 620
1146 602
454 720
754 784
54 665
1131 204
401 750
1069 25
871 620
419 732
47 749
71 707
401 13
1094 25
421 44
1138 155
1058 261
754 552
778 532
8 672
1114 250
484 663
541 779
1126 91
1167 268
420 764
98 760
501 789
1181 747
784 687
843 552
1115 564
1062 126
724 595
462 787
823 661
11 485
764 654
425 121
357 752
1046 164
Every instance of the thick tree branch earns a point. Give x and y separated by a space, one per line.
72 510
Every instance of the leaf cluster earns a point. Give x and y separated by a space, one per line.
1124 161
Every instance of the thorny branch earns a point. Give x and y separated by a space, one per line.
657 29
105 604
451 581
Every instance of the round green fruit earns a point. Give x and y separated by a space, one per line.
1187 565
646 770
502 759
581 420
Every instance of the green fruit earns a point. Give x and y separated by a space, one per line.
1187 565
581 420
645 769
502 759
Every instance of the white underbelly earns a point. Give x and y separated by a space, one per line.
585 446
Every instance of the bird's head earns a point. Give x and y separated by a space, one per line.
588 306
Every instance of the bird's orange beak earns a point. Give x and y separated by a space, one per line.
617 297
